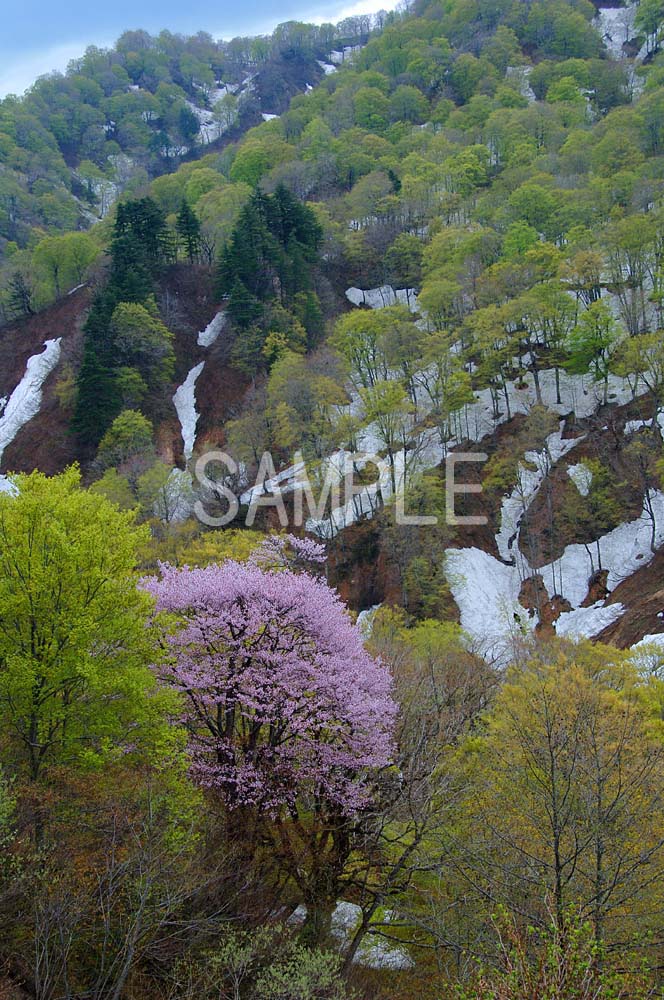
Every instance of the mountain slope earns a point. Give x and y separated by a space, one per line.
500 166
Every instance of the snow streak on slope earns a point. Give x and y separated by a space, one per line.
25 400
208 336
530 478
378 298
486 590
185 405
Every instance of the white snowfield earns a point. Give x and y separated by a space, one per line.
655 640
379 298
631 426
515 505
365 619
177 501
185 395
616 26
25 400
208 336
486 590
185 405
590 621
521 74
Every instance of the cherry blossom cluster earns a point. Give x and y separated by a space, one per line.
282 700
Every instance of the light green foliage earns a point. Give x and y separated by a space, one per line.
303 974
116 488
74 648
565 762
301 404
594 342
257 156
264 964
128 437
61 262
143 343
519 238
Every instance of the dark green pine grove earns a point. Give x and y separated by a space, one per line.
140 248
265 271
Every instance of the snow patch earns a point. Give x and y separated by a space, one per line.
486 590
385 295
581 476
584 623
208 336
521 76
615 25
185 405
374 952
6 486
529 480
365 619
487 594
650 640
636 425
25 400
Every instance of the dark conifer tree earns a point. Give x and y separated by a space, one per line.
139 249
189 230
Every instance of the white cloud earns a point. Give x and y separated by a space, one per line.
334 14
331 13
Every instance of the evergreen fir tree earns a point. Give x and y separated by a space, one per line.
139 250
189 230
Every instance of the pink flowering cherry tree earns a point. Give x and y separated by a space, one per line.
289 717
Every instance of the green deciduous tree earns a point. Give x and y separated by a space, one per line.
75 686
128 437
594 342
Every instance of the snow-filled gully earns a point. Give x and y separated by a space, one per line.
25 401
184 398
185 406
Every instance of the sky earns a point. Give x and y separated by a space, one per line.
39 36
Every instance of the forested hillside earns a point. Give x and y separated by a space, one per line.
118 117
397 734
